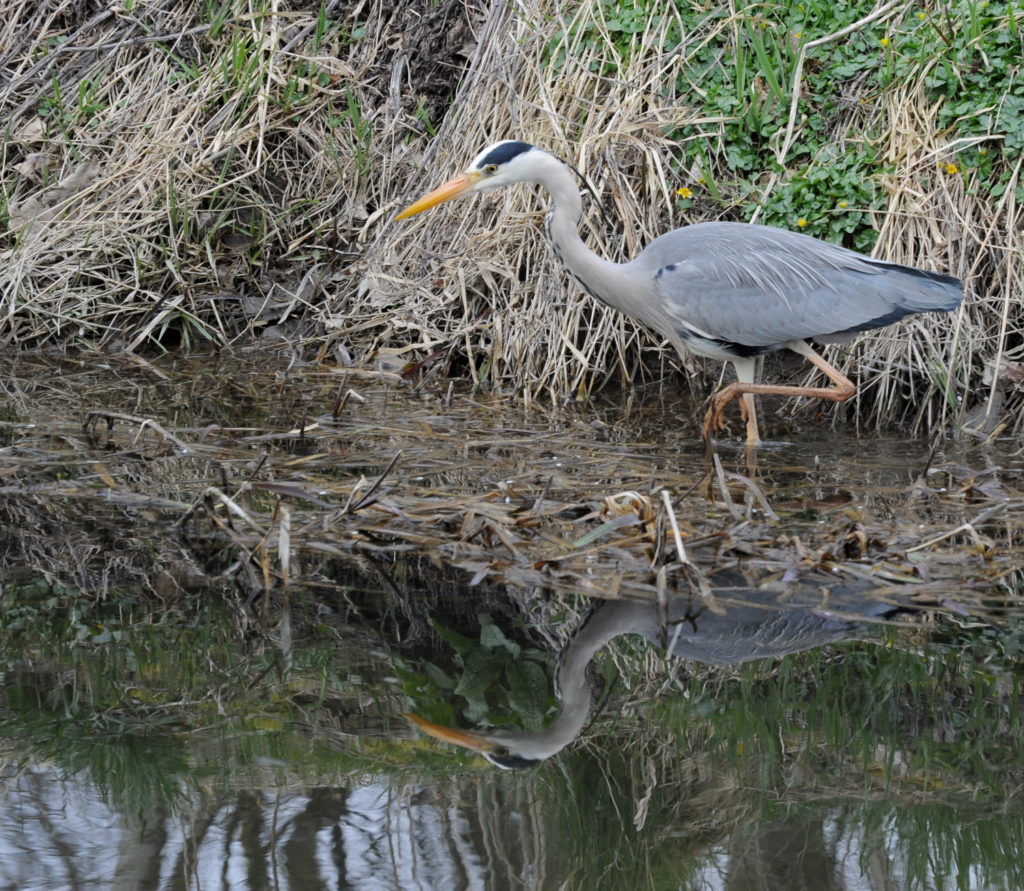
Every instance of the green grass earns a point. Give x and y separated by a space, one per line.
739 74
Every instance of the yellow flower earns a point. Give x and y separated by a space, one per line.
950 168
922 15
684 192
802 223
797 34
842 204
884 41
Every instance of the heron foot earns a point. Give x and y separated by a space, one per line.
714 420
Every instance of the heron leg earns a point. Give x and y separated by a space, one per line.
746 370
748 413
842 389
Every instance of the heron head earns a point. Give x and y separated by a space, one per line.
506 162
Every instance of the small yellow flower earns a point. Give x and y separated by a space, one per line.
922 15
802 223
684 192
884 41
950 168
798 34
842 204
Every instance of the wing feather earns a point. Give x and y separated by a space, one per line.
759 286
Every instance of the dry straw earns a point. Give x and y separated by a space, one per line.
198 179
545 338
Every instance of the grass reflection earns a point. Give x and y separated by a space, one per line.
898 758
893 762
155 709
136 768
915 718
606 818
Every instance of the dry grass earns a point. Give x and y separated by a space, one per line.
201 178
548 339
169 177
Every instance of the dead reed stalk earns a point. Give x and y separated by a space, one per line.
173 177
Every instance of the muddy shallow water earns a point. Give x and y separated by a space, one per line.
225 580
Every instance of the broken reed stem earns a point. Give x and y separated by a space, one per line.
666 499
723 487
132 211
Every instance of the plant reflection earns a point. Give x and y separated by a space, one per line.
725 622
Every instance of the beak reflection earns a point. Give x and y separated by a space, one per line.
464 738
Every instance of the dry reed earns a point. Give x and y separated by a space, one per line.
169 179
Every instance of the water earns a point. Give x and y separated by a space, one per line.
222 592
441 835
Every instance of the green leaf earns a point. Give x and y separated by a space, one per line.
492 637
457 642
483 669
530 692
442 679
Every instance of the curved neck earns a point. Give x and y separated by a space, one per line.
607 621
601 278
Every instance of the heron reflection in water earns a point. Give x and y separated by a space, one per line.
729 291
756 624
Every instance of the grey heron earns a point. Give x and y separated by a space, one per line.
757 623
730 291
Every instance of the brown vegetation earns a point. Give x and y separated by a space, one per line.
173 176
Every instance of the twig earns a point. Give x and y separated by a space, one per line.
142 422
362 502
135 41
694 575
720 475
967 527
680 549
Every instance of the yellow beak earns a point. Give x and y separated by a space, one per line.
462 184
449 734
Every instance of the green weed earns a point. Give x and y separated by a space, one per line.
490 681
357 132
739 69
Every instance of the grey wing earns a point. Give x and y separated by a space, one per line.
760 286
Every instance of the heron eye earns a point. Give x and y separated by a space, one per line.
491 169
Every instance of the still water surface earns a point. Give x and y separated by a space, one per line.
220 596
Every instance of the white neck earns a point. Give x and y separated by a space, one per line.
601 278
614 284
576 696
